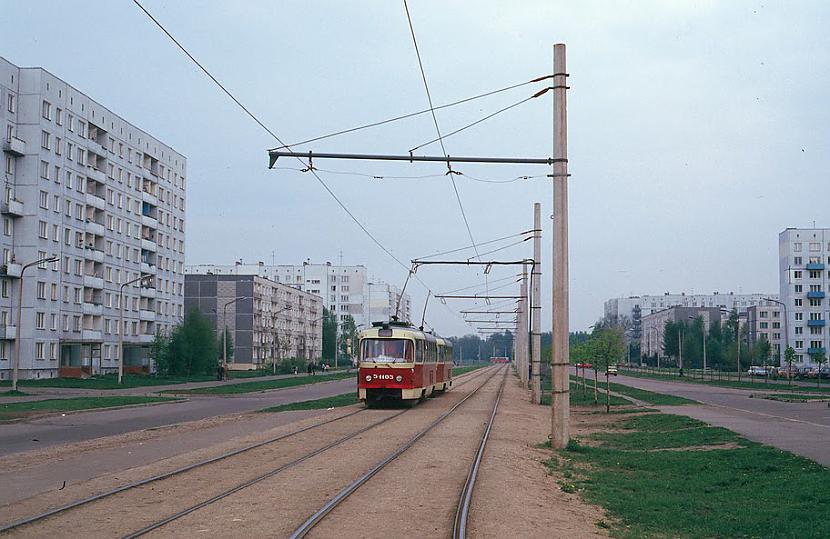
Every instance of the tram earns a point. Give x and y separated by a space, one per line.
398 362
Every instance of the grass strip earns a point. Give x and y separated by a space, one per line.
12 393
346 399
457 371
760 384
110 381
578 397
789 397
263 385
16 410
743 489
650 397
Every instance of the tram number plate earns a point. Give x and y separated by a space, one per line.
382 377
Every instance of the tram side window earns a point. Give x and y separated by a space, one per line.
387 350
419 351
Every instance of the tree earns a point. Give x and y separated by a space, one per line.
228 343
763 349
348 336
789 358
329 334
160 353
607 348
193 348
820 358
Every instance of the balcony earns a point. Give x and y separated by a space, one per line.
147 292
95 201
11 270
152 222
815 266
148 245
146 339
93 309
90 281
149 198
12 207
95 228
812 351
14 146
147 268
816 323
95 254
147 315
97 175
815 294
8 332
92 335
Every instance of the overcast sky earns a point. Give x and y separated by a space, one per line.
697 130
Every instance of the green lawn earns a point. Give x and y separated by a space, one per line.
759 383
580 398
789 397
263 385
346 399
12 393
457 371
741 490
16 410
640 394
110 381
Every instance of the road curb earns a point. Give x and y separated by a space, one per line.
174 400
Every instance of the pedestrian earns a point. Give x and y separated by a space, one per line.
220 372
295 370
309 368
313 369
225 371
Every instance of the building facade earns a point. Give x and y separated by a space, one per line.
654 325
384 301
803 257
765 322
634 307
108 200
272 322
346 290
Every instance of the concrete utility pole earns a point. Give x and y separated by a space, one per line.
521 330
536 305
121 322
560 399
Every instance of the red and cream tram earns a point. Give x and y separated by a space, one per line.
399 362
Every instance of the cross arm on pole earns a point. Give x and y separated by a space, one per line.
275 154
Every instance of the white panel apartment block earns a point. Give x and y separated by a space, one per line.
108 199
803 259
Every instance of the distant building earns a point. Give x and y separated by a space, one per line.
346 290
654 325
803 256
617 308
765 323
106 198
382 300
273 322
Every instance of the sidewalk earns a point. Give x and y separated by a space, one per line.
44 393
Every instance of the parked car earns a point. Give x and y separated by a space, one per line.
787 372
756 370
584 366
611 370
804 372
824 372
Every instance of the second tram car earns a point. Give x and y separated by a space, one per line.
399 362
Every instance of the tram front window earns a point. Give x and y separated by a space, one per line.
387 351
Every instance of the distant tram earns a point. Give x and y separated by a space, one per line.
499 359
399 362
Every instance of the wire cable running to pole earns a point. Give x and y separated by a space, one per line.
450 172
488 242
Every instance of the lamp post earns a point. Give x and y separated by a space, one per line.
121 322
225 328
657 350
704 342
737 340
16 366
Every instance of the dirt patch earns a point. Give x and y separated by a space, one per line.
515 495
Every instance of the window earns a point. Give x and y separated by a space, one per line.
797 274
70 123
41 290
53 350
799 345
798 289
47 110
44 170
59 116
797 247
9 164
58 146
815 302
43 230
764 325
11 103
799 316
798 302
39 350
815 331
45 140
44 200
797 260
815 247
40 320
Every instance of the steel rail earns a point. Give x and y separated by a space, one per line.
178 471
269 474
462 512
321 513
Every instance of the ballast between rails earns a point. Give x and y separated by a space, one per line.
321 513
85 501
462 512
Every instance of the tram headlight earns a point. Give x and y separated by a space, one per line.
368 377
398 378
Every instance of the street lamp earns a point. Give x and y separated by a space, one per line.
704 341
225 327
16 366
121 322
657 350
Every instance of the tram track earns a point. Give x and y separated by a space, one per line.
350 489
54 512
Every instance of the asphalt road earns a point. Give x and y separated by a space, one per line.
801 428
54 430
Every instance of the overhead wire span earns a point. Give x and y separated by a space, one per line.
408 177
279 140
481 284
507 246
451 251
413 114
480 120
437 128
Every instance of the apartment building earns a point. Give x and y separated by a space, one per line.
803 256
108 200
765 322
384 301
345 290
654 325
634 307
271 322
